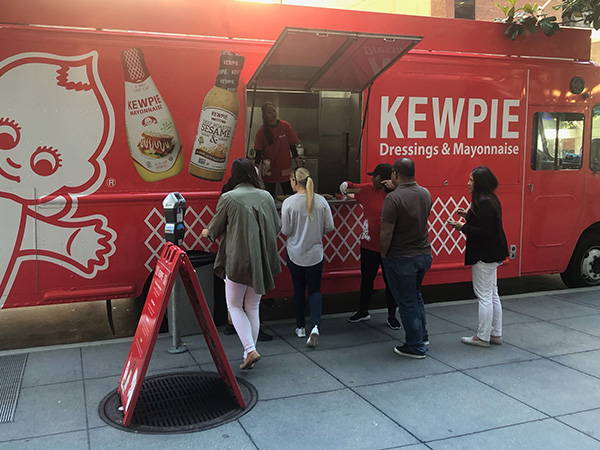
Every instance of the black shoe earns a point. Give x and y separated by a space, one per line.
228 330
393 323
404 351
359 317
264 337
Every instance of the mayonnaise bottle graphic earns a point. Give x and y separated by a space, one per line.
153 140
217 121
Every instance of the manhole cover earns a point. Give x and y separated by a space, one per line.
180 402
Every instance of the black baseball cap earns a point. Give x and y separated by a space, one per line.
383 170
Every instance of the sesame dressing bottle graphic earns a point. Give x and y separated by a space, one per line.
217 121
153 140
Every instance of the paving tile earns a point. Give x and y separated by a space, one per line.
541 435
43 410
545 385
233 347
588 362
332 420
335 333
448 349
589 324
586 422
95 391
67 441
588 298
109 359
55 366
435 325
228 436
548 339
374 363
466 315
548 308
441 406
285 375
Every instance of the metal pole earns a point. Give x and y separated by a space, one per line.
177 345
174 210
250 125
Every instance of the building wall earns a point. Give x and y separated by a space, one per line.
413 7
596 51
484 9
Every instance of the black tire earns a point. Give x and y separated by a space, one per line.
584 268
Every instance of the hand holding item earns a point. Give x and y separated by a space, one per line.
388 184
265 167
462 212
454 224
204 233
344 188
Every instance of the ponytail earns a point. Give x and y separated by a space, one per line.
303 178
310 195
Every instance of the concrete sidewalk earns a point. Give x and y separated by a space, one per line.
540 390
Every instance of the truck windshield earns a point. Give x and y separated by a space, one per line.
595 147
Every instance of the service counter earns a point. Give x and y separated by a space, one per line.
341 272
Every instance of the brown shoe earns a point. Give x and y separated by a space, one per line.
496 340
250 360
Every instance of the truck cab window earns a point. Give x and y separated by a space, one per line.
557 141
595 147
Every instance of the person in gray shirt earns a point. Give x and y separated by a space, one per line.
305 219
406 253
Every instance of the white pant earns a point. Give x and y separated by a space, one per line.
490 309
242 303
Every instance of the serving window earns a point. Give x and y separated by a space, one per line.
316 79
557 141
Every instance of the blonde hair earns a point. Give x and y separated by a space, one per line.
302 177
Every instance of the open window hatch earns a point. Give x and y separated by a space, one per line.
326 60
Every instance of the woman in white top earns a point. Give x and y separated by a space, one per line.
305 218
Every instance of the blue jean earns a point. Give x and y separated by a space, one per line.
405 276
307 279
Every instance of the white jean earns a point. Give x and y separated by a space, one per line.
490 309
243 303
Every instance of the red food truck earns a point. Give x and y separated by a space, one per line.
105 107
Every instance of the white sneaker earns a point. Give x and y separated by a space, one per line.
313 339
300 332
474 340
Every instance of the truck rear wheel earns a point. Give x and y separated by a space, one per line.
584 268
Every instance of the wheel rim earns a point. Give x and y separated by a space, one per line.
590 266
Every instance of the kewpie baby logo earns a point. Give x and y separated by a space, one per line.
56 126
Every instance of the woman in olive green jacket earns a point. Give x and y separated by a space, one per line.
248 260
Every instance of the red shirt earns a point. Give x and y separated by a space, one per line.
278 152
371 200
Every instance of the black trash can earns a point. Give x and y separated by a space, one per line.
186 320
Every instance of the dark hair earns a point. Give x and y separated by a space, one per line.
405 167
484 186
243 170
267 128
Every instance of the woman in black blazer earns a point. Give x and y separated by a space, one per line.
486 249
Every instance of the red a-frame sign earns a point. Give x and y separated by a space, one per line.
172 260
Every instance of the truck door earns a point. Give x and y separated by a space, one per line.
553 189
